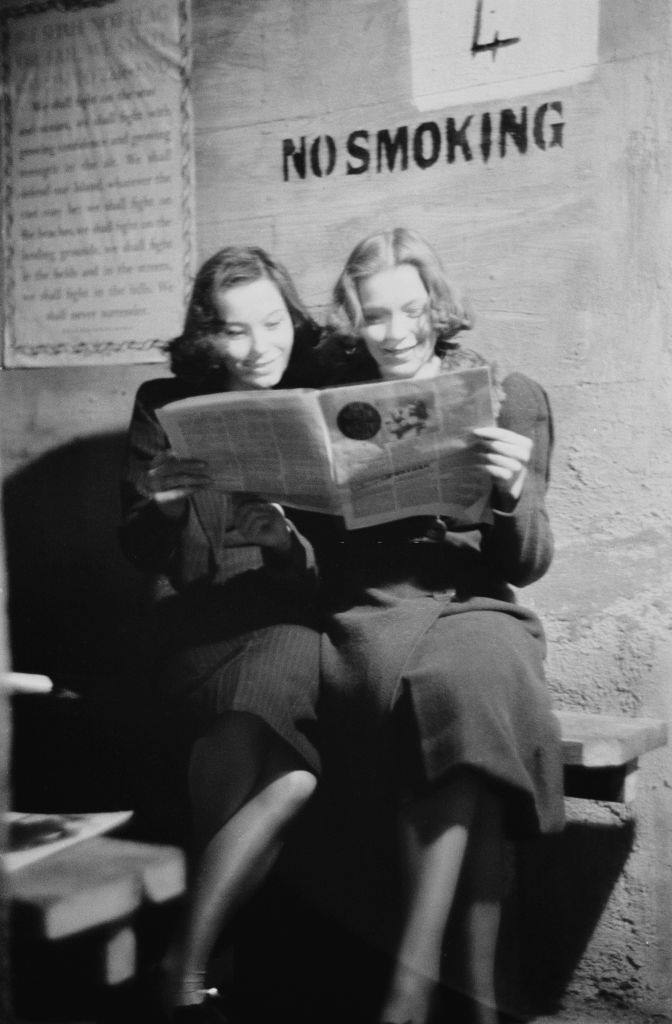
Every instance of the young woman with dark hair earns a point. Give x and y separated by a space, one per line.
239 663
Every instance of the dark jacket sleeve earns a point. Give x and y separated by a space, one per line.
148 538
518 547
193 549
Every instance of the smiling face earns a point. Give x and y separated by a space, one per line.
257 335
397 329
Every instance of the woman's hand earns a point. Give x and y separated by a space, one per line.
170 480
505 456
261 522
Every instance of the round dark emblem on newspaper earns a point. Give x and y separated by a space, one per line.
359 420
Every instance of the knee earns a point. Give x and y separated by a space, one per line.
292 790
298 786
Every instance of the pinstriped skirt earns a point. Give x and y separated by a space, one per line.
241 650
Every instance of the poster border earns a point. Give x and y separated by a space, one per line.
83 353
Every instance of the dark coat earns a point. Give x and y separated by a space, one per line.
429 664
395 601
234 625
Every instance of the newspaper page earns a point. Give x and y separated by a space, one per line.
272 443
32 836
402 448
368 452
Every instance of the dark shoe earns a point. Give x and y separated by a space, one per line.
210 1011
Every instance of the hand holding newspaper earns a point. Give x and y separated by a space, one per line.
368 452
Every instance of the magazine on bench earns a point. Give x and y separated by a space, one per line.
370 453
32 836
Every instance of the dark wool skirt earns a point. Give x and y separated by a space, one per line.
418 686
243 649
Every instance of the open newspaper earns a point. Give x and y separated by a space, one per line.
368 452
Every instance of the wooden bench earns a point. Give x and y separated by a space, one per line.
96 888
601 753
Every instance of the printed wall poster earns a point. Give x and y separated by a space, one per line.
97 180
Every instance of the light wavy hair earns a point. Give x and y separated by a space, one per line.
385 250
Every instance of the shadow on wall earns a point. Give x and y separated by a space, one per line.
563 884
75 604
561 887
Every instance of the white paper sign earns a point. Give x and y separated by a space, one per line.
472 51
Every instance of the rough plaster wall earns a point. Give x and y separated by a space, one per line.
565 255
607 604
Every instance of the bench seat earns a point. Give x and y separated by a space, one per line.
97 887
601 753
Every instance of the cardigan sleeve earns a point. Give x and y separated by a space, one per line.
518 546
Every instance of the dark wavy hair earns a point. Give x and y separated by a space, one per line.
383 251
193 357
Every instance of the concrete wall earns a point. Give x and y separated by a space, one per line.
564 251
